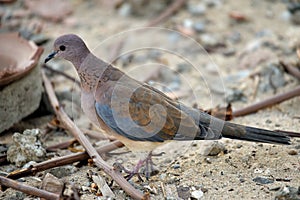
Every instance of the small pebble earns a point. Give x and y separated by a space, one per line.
292 152
197 9
238 16
29 164
263 180
163 176
285 16
229 52
176 166
264 33
52 184
199 27
197 194
288 192
297 146
125 10
234 37
268 121
183 192
84 188
187 23
208 40
258 170
213 3
212 148
207 160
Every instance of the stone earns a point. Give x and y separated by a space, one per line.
63 171
176 166
20 98
211 148
197 194
288 193
293 152
26 147
183 192
52 184
263 180
199 27
199 9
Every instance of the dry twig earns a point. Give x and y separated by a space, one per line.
68 124
61 161
267 102
291 70
28 189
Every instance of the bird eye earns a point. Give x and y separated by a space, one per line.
62 47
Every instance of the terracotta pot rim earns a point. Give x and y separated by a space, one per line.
35 58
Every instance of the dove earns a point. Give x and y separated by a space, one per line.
139 115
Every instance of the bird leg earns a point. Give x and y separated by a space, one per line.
136 170
148 163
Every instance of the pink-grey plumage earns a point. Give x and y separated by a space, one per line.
138 114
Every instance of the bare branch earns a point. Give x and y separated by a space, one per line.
28 189
68 124
267 102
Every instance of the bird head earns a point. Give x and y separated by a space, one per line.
69 47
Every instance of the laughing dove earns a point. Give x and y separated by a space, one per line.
139 115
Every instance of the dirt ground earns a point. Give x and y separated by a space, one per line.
242 38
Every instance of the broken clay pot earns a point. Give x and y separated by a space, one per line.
17 57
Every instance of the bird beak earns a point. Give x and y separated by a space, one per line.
50 56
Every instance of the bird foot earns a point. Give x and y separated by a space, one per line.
148 171
130 173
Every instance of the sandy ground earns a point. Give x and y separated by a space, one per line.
183 169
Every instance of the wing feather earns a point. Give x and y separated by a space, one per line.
146 115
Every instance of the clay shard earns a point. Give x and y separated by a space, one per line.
17 57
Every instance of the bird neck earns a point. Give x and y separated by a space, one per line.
78 61
90 72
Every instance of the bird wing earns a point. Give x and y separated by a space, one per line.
138 112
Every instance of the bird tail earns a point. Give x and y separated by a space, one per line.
241 132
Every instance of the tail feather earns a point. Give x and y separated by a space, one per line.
240 132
